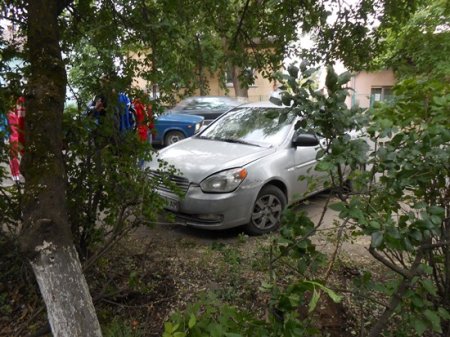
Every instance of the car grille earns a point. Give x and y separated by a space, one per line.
181 182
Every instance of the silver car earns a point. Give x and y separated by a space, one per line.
243 169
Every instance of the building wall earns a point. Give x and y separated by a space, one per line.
364 81
260 91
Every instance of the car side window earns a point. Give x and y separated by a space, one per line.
192 105
216 104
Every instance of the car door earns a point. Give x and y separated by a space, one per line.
304 180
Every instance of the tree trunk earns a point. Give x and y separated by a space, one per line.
47 240
64 290
202 83
239 89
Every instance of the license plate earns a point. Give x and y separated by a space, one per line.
172 204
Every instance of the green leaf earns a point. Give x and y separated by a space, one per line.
335 297
309 72
282 118
416 235
429 287
286 99
301 124
324 166
168 327
436 210
344 78
434 319
377 239
338 206
216 329
292 83
314 300
437 220
293 71
408 246
303 66
331 78
374 224
275 100
266 286
294 299
417 302
192 321
444 313
420 326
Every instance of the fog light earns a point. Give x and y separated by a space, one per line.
210 217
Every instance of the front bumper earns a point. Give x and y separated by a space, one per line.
211 210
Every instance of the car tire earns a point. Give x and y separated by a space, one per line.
267 210
173 137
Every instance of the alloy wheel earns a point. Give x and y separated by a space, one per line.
267 212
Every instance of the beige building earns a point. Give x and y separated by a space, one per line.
370 87
259 91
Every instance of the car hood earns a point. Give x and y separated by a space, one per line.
199 158
173 117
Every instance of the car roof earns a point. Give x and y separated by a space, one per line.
262 104
209 98
226 97
223 101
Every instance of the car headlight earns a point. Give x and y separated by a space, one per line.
197 127
225 181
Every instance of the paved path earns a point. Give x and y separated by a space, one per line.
357 249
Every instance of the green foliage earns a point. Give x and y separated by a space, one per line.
407 210
108 192
326 114
118 328
355 32
209 317
420 47
295 242
403 209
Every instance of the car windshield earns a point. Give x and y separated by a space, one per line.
205 103
259 126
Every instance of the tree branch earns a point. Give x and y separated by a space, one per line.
381 323
388 263
336 248
241 21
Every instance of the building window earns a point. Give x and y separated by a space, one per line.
229 77
380 94
248 73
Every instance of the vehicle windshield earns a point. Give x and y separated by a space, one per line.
205 103
259 126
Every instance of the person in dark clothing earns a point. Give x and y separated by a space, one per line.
97 108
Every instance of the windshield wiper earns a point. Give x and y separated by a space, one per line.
203 137
237 141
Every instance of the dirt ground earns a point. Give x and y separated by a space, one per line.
200 261
157 271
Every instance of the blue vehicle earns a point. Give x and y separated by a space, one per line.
171 128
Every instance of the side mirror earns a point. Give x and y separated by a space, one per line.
305 139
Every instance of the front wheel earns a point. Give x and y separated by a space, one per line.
267 211
173 137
